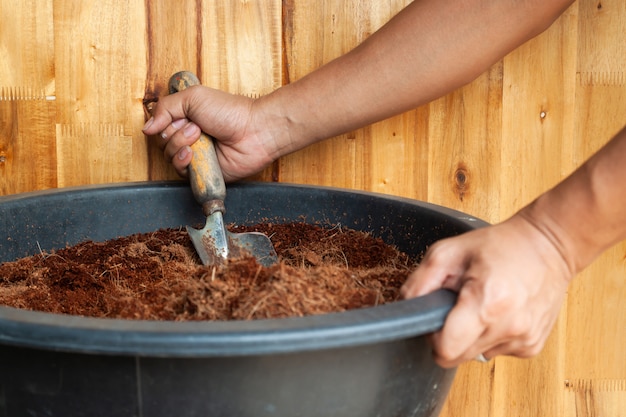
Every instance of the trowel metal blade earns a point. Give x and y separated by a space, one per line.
211 242
215 244
255 244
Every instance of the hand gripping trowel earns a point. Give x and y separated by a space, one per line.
214 243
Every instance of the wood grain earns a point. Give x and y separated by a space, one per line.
27 49
595 397
74 77
596 337
174 43
242 46
465 131
242 51
317 32
596 324
28 157
100 161
27 97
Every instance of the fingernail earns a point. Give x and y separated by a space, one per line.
190 130
177 124
182 154
481 358
148 123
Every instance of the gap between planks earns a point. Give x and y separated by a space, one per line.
601 78
24 94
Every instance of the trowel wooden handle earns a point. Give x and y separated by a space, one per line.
205 174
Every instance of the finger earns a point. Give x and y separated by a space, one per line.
482 358
515 348
480 323
166 110
457 342
523 341
173 127
445 364
515 332
181 161
185 136
441 267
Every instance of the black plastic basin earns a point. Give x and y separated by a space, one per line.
367 362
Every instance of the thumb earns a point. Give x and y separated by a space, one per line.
442 266
168 109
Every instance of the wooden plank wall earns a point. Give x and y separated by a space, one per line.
73 75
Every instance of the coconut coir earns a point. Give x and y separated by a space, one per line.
157 276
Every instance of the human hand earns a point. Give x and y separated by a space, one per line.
511 280
240 144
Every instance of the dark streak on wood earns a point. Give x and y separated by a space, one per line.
199 34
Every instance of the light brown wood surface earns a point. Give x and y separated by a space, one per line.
74 75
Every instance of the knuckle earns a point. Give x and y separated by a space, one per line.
443 351
445 355
535 343
501 300
437 251
530 351
519 327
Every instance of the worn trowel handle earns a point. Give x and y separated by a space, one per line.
205 174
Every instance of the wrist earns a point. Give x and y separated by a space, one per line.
271 127
546 240
557 238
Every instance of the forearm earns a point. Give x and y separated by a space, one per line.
584 215
429 49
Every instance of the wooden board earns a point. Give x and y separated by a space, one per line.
316 33
74 75
27 103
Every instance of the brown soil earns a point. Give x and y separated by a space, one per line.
157 276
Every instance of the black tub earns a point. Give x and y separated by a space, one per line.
368 362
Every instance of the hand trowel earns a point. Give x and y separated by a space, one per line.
214 243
